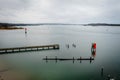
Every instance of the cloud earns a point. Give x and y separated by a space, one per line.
62 11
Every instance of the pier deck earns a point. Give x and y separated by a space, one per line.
29 48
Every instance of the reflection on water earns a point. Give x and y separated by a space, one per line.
75 41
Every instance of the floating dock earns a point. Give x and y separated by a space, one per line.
67 59
29 48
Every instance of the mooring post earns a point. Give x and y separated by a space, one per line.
12 50
48 47
19 49
80 59
57 46
67 45
25 49
90 59
73 59
54 47
46 59
102 72
25 30
56 59
6 51
37 49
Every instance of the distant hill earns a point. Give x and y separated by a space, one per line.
15 26
36 24
101 24
8 25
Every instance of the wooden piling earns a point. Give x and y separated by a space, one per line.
102 72
80 59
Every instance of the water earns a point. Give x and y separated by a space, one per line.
107 55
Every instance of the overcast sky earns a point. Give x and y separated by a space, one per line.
60 11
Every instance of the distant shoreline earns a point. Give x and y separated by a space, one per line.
10 28
101 24
39 24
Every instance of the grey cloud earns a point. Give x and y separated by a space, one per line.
69 11
13 4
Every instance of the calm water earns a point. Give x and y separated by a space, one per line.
107 55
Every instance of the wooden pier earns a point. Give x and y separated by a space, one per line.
29 48
67 59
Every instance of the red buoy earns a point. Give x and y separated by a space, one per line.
93 49
94 45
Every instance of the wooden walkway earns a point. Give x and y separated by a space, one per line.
67 59
29 48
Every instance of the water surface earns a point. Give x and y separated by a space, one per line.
107 55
